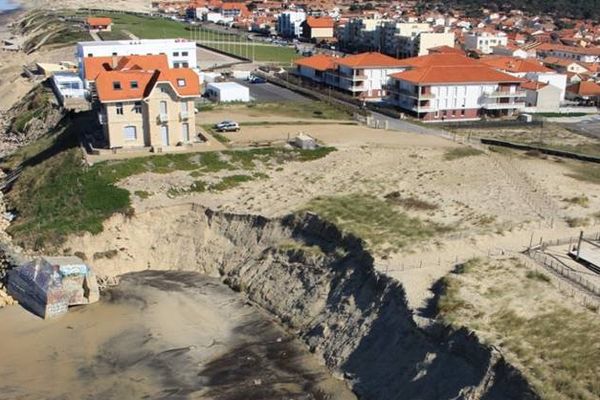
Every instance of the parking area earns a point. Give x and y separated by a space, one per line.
589 127
269 93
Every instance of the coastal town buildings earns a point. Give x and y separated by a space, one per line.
180 53
317 29
99 24
484 42
289 23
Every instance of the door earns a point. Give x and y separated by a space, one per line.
185 130
164 134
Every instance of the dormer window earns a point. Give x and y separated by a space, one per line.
181 82
117 85
134 84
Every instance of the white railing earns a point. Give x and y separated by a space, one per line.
503 106
163 118
499 93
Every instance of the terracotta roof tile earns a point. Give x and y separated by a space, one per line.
319 62
465 74
322 22
370 60
94 65
514 64
99 21
585 88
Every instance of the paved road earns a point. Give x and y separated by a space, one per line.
269 93
588 127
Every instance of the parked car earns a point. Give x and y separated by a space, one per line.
256 79
227 126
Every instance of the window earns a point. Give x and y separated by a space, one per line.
90 55
119 107
462 112
185 132
134 84
163 107
184 107
130 132
454 113
181 82
137 107
114 54
176 65
184 53
176 54
185 65
117 85
164 90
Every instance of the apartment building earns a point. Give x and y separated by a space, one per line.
528 69
397 39
289 23
148 108
484 42
572 53
362 75
451 87
180 53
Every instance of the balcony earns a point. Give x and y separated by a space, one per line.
499 93
162 118
503 106
408 93
183 115
102 119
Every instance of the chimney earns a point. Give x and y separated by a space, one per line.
114 62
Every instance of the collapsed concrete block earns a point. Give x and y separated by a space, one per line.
47 286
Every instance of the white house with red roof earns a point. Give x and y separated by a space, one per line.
99 24
361 75
448 87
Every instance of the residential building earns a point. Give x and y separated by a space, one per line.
225 92
581 54
148 108
317 29
447 87
542 96
181 53
99 24
484 42
362 75
289 23
69 91
585 91
528 69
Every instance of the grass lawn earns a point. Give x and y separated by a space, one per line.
585 172
308 110
384 227
554 342
158 28
56 195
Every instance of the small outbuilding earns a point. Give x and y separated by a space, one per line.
69 91
99 24
47 286
305 142
224 92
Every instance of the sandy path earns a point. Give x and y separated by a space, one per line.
157 335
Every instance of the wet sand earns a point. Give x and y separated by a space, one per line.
159 335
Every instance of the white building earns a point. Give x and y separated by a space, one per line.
181 53
485 42
289 23
224 92
68 88
362 75
451 87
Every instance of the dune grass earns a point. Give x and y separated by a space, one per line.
381 225
461 152
554 342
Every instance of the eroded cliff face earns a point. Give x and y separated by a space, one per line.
321 284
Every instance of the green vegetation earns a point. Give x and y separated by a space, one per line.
221 138
35 105
579 9
410 202
382 226
312 109
553 341
56 195
142 194
585 172
574 222
560 115
582 201
147 27
461 152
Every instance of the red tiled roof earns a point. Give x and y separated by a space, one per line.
99 21
465 74
514 64
445 50
533 85
94 65
145 81
370 60
585 88
319 62
322 22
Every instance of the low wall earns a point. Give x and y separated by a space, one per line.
544 150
